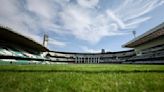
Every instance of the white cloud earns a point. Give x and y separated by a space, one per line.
16 16
81 19
88 3
43 8
116 19
89 50
87 25
92 26
8 8
136 9
56 42
135 22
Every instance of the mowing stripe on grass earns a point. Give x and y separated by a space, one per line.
81 71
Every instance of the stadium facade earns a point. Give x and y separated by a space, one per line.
107 57
146 49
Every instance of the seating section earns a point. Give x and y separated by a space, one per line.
12 54
153 55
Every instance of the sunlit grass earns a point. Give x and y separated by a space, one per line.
82 78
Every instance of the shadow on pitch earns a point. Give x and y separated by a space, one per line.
83 71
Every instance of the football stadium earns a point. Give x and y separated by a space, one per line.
56 46
29 66
147 48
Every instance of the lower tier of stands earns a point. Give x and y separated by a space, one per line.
13 54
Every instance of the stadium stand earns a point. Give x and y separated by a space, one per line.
18 49
87 58
149 47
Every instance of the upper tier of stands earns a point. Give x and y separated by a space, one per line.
151 55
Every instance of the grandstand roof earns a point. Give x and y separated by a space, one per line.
8 35
148 36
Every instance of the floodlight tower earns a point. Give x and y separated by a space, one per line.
134 33
45 40
102 51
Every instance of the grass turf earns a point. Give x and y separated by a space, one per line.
82 78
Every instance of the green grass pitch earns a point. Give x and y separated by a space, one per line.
82 78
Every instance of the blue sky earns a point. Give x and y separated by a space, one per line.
82 25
